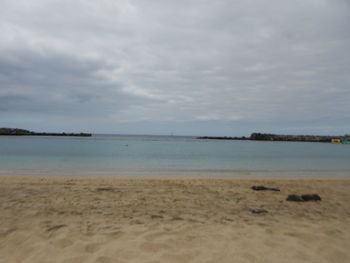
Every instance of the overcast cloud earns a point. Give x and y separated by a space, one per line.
189 67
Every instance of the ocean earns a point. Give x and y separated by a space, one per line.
168 155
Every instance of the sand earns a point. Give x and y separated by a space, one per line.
102 220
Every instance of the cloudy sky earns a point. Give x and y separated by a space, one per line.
194 67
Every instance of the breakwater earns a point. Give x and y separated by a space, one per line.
277 137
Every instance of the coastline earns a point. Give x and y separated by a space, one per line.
22 132
176 173
171 219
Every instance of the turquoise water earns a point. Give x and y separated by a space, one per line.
167 153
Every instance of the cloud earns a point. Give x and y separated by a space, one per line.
93 62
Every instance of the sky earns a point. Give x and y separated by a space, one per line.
194 67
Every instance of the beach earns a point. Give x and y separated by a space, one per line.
113 219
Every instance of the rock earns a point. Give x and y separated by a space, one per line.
259 211
295 198
304 198
262 188
312 197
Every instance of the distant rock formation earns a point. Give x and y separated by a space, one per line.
291 138
10 131
275 137
22 132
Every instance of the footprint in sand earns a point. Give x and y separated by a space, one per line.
155 235
115 234
306 237
154 247
92 248
54 228
107 260
63 243
75 260
183 256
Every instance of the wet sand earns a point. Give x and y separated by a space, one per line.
90 219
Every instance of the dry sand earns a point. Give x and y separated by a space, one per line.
72 220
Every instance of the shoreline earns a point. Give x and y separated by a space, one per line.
123 173
256 136
168 177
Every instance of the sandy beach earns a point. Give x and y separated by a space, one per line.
102 220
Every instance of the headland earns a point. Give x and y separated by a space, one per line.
22 132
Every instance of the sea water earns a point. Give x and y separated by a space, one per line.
125 154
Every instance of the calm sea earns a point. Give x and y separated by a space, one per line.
128 155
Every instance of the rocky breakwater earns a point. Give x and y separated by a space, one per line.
22 132
291 138
277 137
